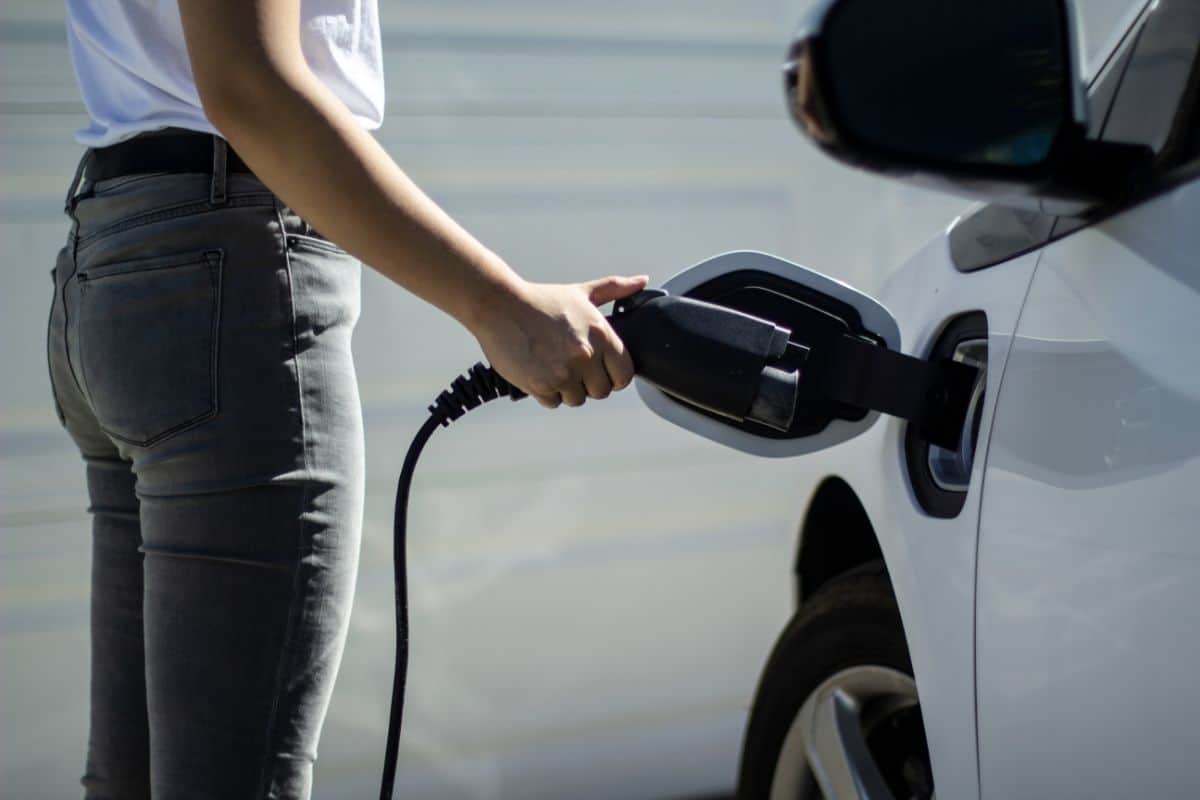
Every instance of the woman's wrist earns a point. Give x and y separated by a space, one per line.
489 295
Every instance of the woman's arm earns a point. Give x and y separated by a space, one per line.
303 142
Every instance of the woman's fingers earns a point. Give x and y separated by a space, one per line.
596 379
548 400
613 357
573 395
618 364
614 287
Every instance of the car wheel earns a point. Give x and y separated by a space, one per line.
836 714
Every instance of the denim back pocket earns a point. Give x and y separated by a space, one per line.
148 333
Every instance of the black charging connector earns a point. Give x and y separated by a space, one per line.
724 361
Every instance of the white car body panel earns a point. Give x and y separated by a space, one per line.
932 561
1088 634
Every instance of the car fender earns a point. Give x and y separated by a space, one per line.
931 561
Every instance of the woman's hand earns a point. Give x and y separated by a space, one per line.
551 341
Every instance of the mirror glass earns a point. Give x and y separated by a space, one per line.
960 81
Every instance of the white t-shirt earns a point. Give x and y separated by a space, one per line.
133 71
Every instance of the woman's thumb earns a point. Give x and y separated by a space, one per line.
606 290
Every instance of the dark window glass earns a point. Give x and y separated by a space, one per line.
951 81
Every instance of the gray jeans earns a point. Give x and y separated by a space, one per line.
199 351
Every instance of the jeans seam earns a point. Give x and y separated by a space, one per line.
112 184
174 211
73 243
267 774
323 246
58 409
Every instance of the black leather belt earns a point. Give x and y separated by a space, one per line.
183 151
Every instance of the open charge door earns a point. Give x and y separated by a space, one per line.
842 346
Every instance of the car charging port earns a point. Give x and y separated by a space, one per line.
767 355
941 476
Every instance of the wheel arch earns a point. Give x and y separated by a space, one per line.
835 536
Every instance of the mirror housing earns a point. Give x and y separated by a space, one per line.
981 98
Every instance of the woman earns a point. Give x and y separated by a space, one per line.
199 351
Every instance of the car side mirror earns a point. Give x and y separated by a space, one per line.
981 98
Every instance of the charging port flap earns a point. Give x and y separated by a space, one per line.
805 363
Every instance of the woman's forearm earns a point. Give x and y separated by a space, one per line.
306 145
303 142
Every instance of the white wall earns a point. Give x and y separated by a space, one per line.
593 591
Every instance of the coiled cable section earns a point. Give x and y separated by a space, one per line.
472 389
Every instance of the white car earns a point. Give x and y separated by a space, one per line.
1013 612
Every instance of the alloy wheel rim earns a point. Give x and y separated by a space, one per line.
828 751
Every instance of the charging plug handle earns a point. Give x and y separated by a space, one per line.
719 359
746 368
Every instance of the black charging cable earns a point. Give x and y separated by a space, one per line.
479 385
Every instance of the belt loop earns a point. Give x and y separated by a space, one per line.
69 202
216 195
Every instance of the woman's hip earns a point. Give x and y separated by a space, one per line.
213 346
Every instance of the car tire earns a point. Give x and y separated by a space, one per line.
837 698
